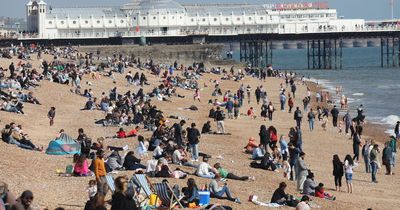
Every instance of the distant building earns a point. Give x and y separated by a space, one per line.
169 18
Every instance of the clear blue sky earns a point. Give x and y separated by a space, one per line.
367 9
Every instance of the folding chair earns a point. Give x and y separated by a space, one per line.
167 195
144 184
110 183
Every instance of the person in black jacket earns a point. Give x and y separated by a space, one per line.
120 199
337 171
335 115
219 117
280 196
264 137
193 136
131 162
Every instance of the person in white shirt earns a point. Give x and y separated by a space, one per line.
205 170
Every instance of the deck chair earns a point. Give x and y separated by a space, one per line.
110 183
167 195
143 183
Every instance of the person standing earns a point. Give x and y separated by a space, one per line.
335 115
51 115
301 171
356 145
397 130
219 117
347 122
178 132
293 156
193 136
229 107
337 172
366 150
282 99
298 116
100 173
311 119
349 164
248 93
387 158
264 137
299 140
293 89
290 104
271 110
258 94
374 157
393 145
12 69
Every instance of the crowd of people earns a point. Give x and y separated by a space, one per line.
176 146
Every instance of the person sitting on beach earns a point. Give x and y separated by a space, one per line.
281 197
303 205
131 162
114 161
309 185
81 167
223 173
251 145
266 163
205 170
258 153
219 192
24 201
191 193
206 128
320 192
180 157
250 113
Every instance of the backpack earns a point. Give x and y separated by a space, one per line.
299 114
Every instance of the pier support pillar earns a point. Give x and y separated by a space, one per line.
324 54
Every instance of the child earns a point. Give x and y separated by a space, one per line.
250 113
51 114
92 189
324 122
286 169
320 193
340 127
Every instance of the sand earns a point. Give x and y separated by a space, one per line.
36 171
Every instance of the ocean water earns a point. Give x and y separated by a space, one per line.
362 79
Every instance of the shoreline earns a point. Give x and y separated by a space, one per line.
371 130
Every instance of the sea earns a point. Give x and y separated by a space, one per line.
362 79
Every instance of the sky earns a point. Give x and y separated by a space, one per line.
364 9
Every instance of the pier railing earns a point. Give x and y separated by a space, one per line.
209 32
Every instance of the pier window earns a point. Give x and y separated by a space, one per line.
192 20
204 20
62 22
74 22
86 22
134 18
122 21
50 22
215 19
227 19
238 19
98 22
154 17
144 18
164 17
249 18
261 18
110 21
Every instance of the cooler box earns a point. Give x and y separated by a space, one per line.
204 198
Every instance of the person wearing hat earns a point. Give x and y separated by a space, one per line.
100 173
24 201
301 171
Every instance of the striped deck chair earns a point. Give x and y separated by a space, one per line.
167 195
144 184
110 183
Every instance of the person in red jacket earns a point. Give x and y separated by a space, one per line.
320 193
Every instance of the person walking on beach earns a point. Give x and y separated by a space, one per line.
347 122
258 94
196 95
51 115
397 130
375 164
219 117
301 171
294 153
311 119
298 116
349 164
271 110
337 172
264 137
229 107
335 115
293 89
